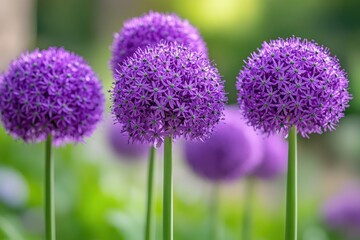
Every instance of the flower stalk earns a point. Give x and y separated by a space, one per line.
149 204
49 191
247 211
291 191
168 191
214 212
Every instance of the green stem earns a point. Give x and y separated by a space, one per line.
291 192
149 203
168 191
214 212
49 191
247 214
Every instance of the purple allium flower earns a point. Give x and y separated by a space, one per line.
149 29
53 92
166 90
342 212
119 142
274 160
232 151
293 82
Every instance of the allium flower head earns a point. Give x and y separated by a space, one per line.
274 160
232 151
149 29
167 90
293 82
53 92
342 212
119 142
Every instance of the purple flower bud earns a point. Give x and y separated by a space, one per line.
53 92
232 151
342 212
119 142
293 82
149 29
166 90
274 160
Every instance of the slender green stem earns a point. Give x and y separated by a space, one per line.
291 191
247 211
149 203
214 212
168 191
49 191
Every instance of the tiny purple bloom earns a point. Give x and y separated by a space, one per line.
52 92
274 160
167 89
342 212
120 144
149 29
232 151
293 82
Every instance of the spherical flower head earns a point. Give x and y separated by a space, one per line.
167 90
274 160
293 82
232 151
342 212
120 144
52 92
149 29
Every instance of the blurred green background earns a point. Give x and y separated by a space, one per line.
100 197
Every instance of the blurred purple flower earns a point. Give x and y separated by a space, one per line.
119 142
13 188
274 160
342 212
293 82
232 151
166 90
53 92
149 29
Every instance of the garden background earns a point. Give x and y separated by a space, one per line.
99 196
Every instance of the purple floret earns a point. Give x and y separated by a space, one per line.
232 151
149 29
167 90
293 82
52 92
274 160
120 144
342 212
